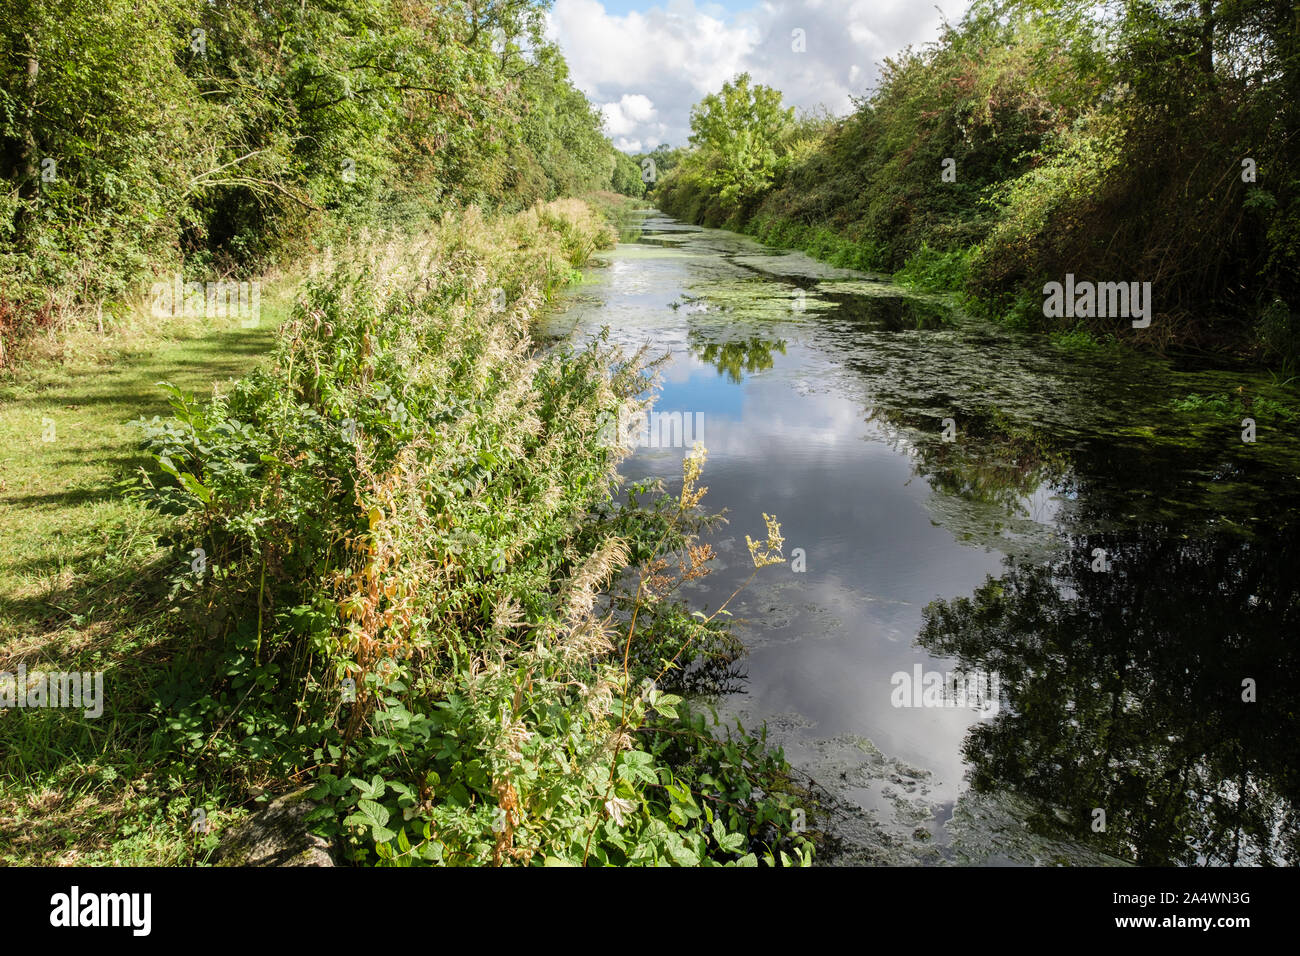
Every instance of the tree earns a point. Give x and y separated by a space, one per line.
627 176
137 132
742 126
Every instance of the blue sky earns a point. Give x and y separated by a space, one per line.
646 63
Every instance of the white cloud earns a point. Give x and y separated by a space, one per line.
646 69
631 112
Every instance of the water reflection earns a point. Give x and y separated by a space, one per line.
888 311
1126 693
734 359
949 484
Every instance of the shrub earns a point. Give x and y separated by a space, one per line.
408 522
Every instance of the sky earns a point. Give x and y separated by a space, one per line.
645 63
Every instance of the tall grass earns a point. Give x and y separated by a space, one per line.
408 539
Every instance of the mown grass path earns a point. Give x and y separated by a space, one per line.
80 577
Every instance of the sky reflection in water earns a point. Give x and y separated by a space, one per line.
823 396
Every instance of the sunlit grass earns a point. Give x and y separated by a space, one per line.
80 580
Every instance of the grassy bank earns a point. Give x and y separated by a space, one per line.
388 563
1038 140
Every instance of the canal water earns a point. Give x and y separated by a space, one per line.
1039 604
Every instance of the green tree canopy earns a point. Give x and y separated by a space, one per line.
741 125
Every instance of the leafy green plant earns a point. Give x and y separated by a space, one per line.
936 270
409 530
1236 406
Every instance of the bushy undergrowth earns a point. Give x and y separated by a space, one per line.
936 270
1040 138
818 241
409 578
1079 339
221 138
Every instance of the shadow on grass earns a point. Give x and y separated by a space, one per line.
76 787
91 592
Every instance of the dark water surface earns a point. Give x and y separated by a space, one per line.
823 395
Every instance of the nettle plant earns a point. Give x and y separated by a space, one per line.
416 587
